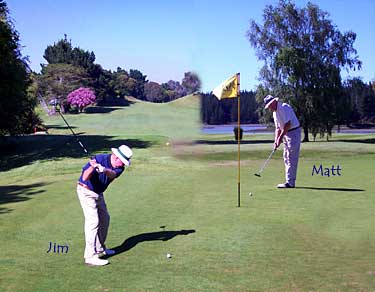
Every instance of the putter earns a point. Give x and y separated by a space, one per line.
265 163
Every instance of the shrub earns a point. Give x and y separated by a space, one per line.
81 98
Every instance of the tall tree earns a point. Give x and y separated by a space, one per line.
191 82
120 83
58 80
17 113
225 111
63 52
140 81
362 99
153 92
174 89
303 53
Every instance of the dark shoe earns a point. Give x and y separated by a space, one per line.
285 186
109 252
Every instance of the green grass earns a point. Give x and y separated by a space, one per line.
318 237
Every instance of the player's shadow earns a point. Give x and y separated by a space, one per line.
152 236
232 142
331 189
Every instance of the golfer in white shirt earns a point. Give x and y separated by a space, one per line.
287 129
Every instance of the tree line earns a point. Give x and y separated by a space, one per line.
70 67
225 111
355 105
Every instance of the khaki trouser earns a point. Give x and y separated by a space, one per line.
96 220
292 142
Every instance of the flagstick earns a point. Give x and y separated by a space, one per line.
239 139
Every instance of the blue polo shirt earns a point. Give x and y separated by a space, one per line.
99 182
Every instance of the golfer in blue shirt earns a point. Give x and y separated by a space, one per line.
96 175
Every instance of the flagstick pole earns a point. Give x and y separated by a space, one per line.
239 140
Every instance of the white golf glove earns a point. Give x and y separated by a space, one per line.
100 168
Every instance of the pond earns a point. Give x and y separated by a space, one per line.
262 129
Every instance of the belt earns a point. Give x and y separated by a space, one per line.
83 185
294 129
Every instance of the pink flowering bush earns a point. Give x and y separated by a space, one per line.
81 98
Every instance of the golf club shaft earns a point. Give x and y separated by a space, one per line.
79 142
266 162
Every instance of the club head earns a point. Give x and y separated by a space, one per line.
257 174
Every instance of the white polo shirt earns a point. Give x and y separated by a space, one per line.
283 114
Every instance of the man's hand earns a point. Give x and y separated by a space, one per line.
88 172
278 141
93 162
100 168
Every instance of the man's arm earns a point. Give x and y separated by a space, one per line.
88 172
279 134
111 174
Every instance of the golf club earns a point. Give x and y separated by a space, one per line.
57 108
265 163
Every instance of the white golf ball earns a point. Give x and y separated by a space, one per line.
167 143
169 255
250 194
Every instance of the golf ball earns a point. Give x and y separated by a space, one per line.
169 255
167 143
250 194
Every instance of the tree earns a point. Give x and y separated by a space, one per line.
58 80
173 90
225 111
120 83
17 113
303 53
153 92
63 52
101 80
137 89
362 99
191 82
81 98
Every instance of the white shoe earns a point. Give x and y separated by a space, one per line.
96 261
108 252
285 186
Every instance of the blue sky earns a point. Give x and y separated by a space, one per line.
166 38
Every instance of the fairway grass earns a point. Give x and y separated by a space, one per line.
180 197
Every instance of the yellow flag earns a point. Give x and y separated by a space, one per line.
227 89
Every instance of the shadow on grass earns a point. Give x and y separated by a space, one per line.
23 150
152 236
230 142
331 189
100 110
364 141
17 193
58 127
